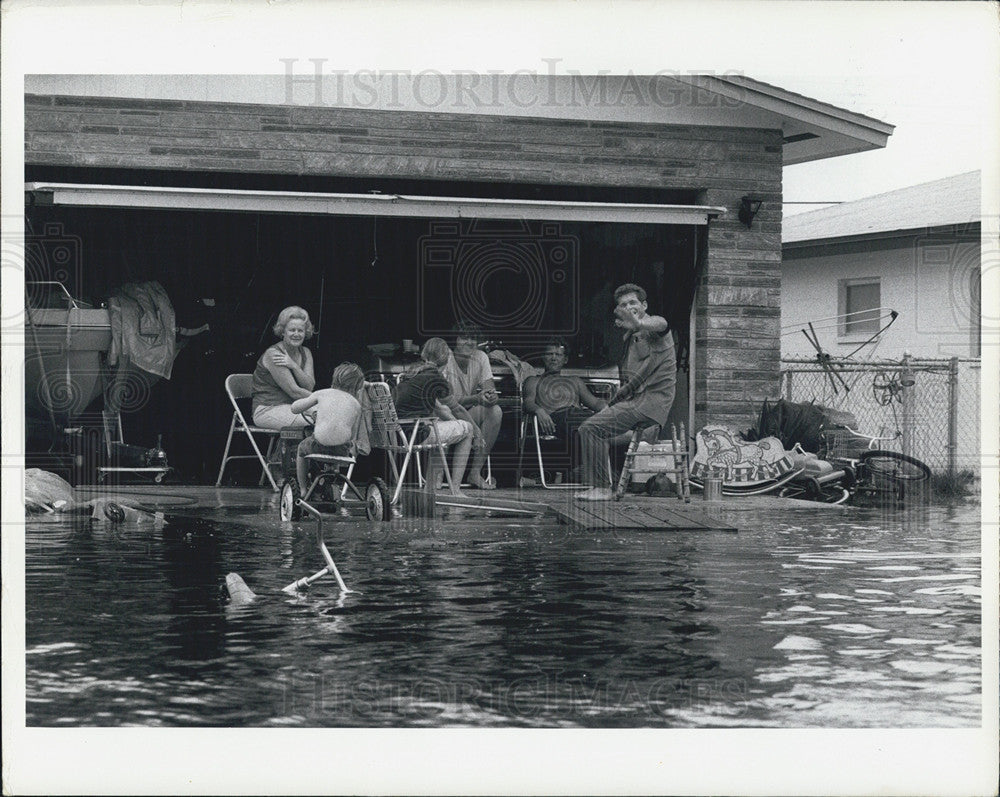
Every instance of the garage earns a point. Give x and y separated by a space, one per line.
370 268
389 224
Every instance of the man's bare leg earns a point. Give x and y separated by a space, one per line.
459 459
488 420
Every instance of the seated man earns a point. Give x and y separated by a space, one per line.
470 376
339 422
561 403
648 375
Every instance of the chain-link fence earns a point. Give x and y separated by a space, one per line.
928 409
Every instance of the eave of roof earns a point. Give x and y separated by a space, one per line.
812 129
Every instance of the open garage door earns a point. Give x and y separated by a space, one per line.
122 196
370 269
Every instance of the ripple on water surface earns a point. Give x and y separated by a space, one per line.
847 619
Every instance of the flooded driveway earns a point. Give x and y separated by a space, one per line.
853 618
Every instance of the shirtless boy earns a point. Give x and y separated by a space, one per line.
339 418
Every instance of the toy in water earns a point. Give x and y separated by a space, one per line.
50 497
116 512
818 480
746 467
239 593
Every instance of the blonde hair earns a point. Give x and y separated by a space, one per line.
436 352
433 354
287 315
348 377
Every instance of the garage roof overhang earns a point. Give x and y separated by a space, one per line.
811 129
213 199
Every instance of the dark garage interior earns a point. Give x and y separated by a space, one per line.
364 280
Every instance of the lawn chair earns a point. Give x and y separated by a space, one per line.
387 433
529 428
680 468
420 474
240 386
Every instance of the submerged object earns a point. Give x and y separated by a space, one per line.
47 490
119 512
239 592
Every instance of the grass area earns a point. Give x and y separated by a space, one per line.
948 487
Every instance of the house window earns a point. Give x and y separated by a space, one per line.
860 303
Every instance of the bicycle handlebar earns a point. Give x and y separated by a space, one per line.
871 440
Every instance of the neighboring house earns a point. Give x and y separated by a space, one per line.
369 199
915 251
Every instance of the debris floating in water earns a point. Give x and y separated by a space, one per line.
239 592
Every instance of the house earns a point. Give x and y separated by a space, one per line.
389 205
915 251
880 278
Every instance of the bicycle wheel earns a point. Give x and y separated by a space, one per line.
900 467
824 494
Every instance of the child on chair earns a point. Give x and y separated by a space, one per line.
339 421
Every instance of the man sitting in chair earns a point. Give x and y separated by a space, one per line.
339 429
648 376
561 403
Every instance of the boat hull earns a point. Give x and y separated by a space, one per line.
63 359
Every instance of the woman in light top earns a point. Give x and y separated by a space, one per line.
284 372
470 377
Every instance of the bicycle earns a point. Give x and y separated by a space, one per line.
860 467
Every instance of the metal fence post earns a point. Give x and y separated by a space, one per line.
906 398
788 385
952 415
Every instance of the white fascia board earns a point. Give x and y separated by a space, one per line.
800 108
214 199
838 131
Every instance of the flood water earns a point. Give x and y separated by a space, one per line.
853 618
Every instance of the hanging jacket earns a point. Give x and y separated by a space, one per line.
143 330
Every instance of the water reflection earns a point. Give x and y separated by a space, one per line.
845 619
196 630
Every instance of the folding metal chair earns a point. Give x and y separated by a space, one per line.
387 433
529 424
420 474
240 386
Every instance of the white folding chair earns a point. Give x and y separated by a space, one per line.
240 386
529 427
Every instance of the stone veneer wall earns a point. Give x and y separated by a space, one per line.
738 305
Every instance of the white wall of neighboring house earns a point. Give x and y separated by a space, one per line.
927 277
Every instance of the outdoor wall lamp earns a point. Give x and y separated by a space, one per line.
749 207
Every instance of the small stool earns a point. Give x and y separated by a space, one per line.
680 471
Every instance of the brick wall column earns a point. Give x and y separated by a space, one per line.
738 311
